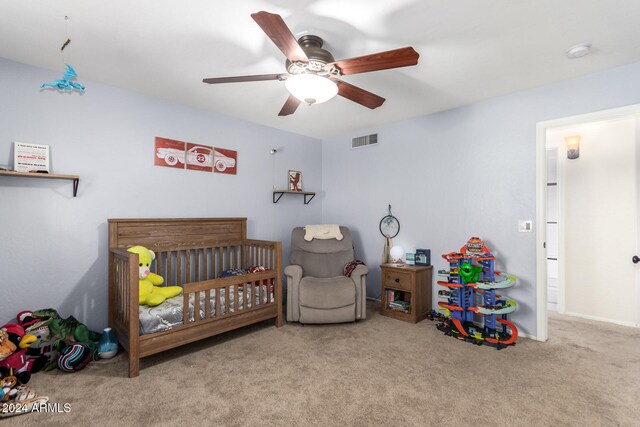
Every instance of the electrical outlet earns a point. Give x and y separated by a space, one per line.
525 226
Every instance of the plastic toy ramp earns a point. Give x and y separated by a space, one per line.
503 306
510 340
450 285
508 282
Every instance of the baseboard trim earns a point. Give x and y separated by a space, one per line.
602 319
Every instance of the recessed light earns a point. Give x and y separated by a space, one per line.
578 51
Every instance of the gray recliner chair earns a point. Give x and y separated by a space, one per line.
317 290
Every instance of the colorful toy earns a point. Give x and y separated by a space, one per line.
151 293
471 299
65 83
13 352
74 357
53 334
16 398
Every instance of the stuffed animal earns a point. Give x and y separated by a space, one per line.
38 326
15 397
13 354
151 293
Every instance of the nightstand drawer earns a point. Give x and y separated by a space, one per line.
397 280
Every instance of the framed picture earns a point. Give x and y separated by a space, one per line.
295 181
30 157
225 161
199 157
169 153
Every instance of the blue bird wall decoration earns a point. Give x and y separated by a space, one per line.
65 84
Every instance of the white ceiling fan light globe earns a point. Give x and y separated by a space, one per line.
311 88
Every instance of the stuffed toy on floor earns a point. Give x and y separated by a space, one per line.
56 334
13 352
151 293
15 397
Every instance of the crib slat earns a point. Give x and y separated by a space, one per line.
196 309
185 308
159 256
207 304
205 265
226 299
196 265
259 294
236 290
178 268
245 288
168 279
218 293
188 277
244 255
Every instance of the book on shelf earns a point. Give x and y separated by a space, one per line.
396 302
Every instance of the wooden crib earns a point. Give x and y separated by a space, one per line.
191 252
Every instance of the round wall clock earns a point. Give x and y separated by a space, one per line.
389 225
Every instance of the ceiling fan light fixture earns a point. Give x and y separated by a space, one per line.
311 88
578 51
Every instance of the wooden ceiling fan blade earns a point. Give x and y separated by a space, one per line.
274 26
236 79
396 58
289 106
358 95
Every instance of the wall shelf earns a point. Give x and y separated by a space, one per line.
280 193
74 178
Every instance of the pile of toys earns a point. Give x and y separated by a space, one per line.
42 340
473 311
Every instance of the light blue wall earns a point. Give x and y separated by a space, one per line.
53 247
461 173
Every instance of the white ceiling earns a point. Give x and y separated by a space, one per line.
469 50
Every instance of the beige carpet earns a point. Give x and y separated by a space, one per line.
377 372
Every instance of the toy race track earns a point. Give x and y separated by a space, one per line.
473 311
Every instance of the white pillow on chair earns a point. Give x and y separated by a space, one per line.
322 232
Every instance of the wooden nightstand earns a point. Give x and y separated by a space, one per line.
406 292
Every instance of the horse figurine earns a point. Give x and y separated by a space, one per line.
65 83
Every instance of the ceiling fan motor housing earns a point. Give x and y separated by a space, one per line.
318 57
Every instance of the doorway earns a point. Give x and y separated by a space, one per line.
587 215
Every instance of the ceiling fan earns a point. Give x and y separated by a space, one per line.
313 74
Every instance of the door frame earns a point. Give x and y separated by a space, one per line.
542 323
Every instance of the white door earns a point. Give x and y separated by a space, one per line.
599 221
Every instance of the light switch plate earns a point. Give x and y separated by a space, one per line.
525 226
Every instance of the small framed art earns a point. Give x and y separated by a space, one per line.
295 181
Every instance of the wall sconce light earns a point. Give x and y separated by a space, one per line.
573 146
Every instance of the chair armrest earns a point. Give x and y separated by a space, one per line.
359 271
294 275
359 278
294 272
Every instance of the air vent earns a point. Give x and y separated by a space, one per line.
363 141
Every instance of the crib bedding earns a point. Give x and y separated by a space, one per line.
170 314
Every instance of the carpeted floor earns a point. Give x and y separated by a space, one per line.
376 372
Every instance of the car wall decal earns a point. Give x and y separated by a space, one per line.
180 155
199 157
225 161
169 153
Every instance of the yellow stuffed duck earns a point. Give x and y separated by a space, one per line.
151 293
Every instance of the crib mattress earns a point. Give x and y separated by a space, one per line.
170 314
